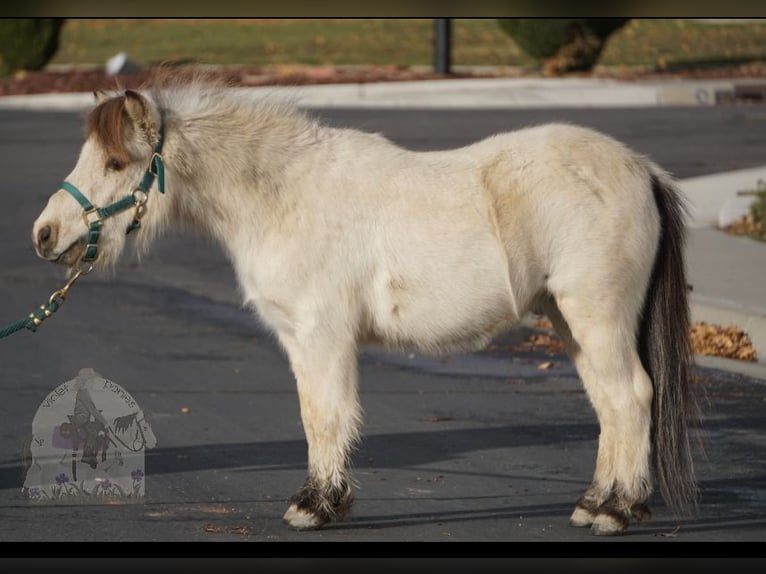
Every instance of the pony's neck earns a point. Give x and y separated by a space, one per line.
228 163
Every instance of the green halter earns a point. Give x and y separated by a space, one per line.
94 216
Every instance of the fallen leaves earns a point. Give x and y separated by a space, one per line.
544 323
753 224
548 343
707 339
747 226
715 340
551 345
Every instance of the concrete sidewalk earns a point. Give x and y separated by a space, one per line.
727 273
468 93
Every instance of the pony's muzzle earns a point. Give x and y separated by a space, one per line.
46 238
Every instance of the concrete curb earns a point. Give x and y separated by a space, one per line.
459 93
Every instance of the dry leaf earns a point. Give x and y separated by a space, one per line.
244 530
551 344
544 323
546 365
672 534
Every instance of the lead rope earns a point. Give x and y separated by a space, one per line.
55 301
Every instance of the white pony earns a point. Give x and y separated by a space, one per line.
339 237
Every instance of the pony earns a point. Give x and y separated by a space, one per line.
340 238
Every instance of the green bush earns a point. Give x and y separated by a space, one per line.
27 43
562 44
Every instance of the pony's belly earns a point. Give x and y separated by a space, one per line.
447 335
444 320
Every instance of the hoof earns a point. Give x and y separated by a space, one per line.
609 524
300 519
640 512
581 517
313 507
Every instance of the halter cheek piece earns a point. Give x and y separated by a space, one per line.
94 216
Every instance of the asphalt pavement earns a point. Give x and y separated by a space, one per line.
480 447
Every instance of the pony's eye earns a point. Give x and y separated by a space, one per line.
114 164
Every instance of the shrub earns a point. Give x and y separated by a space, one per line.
563 44
27 43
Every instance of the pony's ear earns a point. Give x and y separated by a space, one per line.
143 115
100 96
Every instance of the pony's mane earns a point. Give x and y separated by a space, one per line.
188 93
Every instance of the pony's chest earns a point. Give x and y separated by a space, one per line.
269 286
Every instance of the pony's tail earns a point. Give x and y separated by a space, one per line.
666 352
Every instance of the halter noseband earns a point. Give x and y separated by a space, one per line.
94 216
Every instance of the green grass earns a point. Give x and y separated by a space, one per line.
647 43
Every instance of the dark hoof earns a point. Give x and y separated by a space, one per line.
313 506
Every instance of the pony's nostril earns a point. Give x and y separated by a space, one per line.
44 236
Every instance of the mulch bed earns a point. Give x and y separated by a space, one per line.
85 80
28 82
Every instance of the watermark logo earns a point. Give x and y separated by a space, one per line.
89 437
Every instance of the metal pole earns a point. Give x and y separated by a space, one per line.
442 45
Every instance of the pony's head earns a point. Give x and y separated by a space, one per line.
122 133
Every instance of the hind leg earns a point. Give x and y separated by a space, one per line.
324 365
600 339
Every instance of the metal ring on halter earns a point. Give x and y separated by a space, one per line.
83 268
140 199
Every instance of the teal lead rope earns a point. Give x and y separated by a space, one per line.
31 322
55 301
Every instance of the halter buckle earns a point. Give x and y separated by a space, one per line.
153 163
89 254
91 216
140 197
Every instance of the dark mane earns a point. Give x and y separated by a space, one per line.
108 124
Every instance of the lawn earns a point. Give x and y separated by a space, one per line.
655 44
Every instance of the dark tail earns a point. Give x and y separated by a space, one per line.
666 353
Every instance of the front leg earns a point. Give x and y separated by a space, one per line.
324 364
